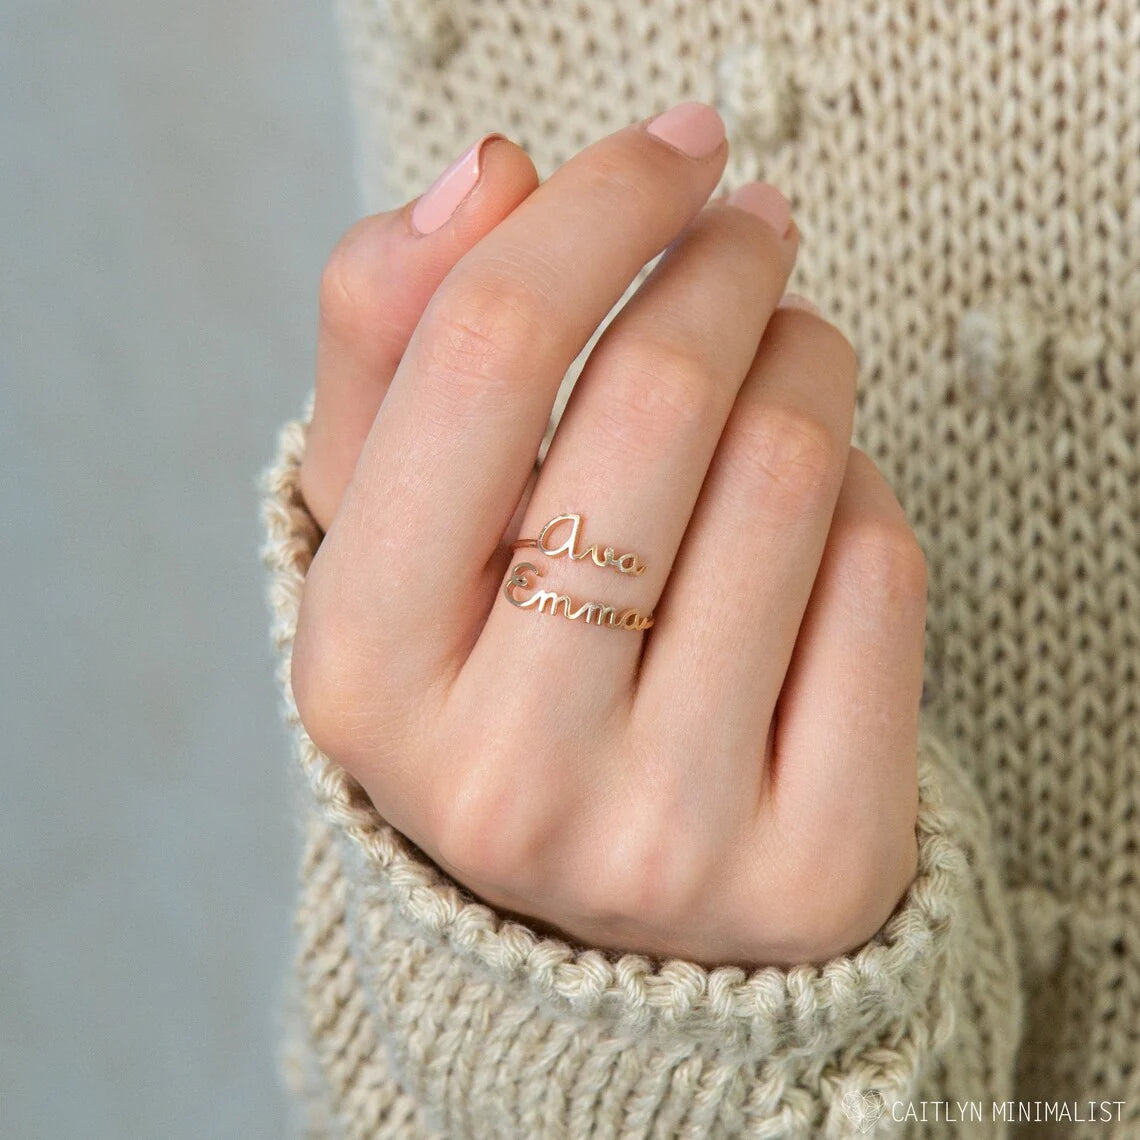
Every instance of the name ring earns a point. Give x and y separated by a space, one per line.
552 602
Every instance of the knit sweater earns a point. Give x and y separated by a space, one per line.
966 180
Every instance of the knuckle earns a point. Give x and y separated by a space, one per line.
479 829
629 891
648 875
617 179
831 349
456 827
652 391
352 280
842 920
853 871
754 239
823 352
795 461
482 334
883 559
840 350
326 684
846 906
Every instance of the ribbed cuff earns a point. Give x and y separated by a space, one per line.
493 1028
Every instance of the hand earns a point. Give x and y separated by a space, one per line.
734 784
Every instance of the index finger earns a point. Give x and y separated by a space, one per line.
449 454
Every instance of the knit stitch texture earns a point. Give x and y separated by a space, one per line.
423 1012
966 179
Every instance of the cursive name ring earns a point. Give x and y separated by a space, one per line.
606 558
553 603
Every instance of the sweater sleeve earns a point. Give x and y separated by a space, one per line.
422 1012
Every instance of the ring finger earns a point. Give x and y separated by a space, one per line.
744 575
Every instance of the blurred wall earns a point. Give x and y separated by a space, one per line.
172 176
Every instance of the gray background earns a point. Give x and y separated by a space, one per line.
172 176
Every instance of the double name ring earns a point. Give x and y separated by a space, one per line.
549 601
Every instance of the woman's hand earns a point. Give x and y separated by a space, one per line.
735 783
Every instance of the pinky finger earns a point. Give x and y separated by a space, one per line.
847 721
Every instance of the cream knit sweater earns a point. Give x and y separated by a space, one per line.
966 178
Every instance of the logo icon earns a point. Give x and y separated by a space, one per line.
864 1109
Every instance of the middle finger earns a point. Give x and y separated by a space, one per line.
635 441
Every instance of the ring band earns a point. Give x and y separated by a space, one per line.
600 613
623 564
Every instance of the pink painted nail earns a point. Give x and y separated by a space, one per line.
442 197
797 301
694 129
766 202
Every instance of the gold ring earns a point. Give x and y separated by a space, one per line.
599 613
548 601
623 564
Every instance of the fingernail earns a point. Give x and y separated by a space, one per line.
441 199
766 202
796 301
694 129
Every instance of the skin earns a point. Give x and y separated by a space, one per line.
736 784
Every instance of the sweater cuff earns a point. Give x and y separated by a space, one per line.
489 1024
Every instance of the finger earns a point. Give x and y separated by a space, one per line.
847 719
635 441
374 289
469 404
728 621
